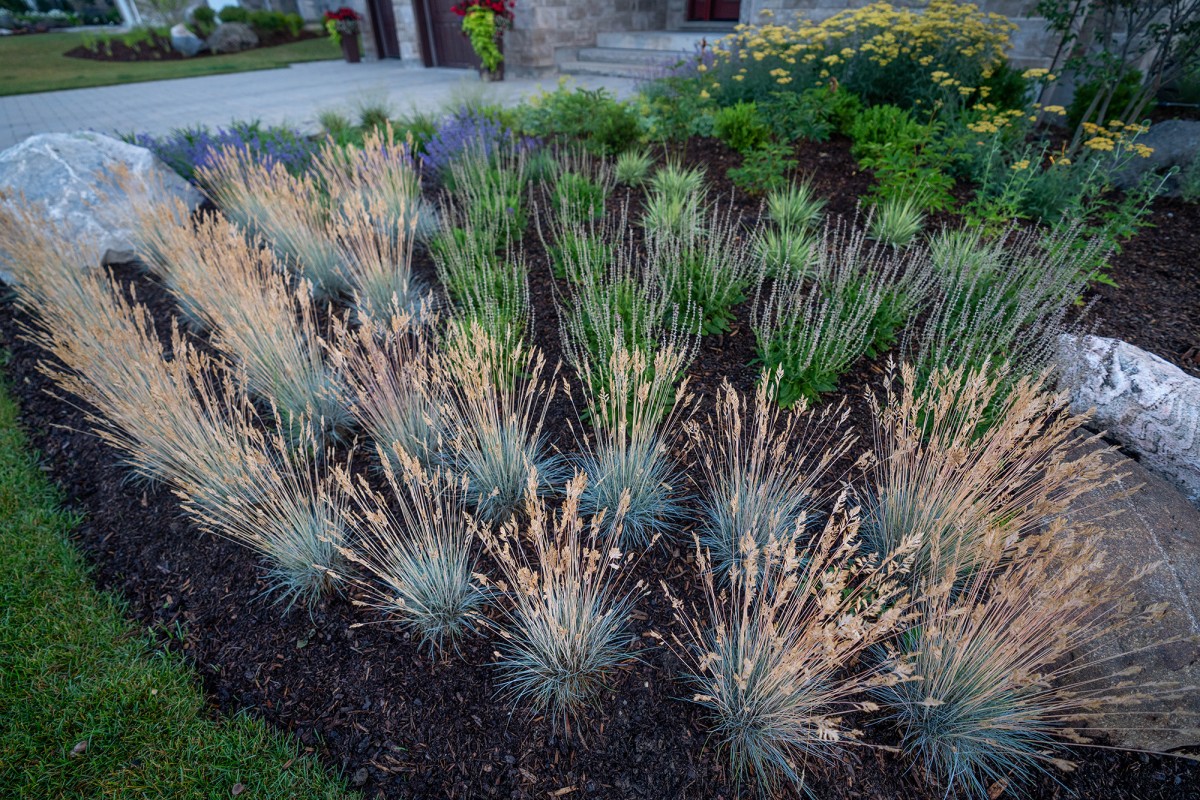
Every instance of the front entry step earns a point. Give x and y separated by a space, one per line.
638 54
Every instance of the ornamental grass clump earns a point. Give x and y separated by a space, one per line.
1015 667
632 167
896 221
287 508
287 211
159 414
674 199
708 262
257 317
570 593
633 407
971 462
382 175
796 208
416 549
390 371
377 257
815 329
775 656
761 469
495 395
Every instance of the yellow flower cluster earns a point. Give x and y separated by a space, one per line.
994 119
1106 138
880 33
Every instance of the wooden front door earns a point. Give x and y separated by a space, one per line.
442 37
715 10
383 25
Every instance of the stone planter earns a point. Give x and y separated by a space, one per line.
350 49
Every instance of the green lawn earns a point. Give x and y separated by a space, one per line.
88 707
36 63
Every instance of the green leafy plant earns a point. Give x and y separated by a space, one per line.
763 169
577 198
741 127
479 24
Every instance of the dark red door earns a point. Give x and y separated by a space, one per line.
443 37
723 10
383 25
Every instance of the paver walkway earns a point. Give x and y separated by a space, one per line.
294 95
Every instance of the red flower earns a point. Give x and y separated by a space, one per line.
342 14
501 8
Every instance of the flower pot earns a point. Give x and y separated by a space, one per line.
350 49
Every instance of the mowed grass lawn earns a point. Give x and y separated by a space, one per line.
89 708
36 63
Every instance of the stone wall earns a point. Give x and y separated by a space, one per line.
543 26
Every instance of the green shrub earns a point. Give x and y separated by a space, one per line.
606 125
233 14
1081 103
763 169
1189 181
812 115
741 127
881 128
204 21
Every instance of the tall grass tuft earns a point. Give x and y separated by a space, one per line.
776 655
566 627
762 468
633 403
496 395
796 208
287 211
257 318
859 297
896 221
377 258
706 261
970 463
1011 668
417 550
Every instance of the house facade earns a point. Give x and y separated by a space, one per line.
550 34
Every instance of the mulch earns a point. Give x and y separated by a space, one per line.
399 723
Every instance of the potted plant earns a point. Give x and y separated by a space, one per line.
484 23
342 25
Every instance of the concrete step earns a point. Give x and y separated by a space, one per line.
621 55
609 68
671 41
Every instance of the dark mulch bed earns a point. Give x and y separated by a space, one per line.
160 49
401 724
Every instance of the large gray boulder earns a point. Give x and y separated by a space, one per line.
72 176
1147 404
1176 143
184 41
232 37
1141 527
